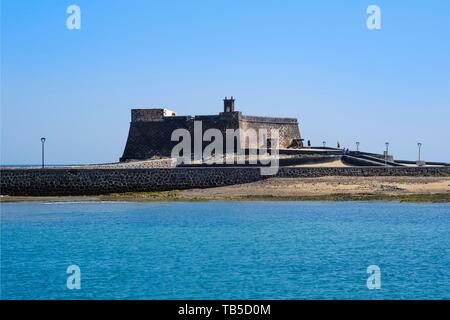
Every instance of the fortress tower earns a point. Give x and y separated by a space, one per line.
151 129
228 105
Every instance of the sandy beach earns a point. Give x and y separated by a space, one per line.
292 187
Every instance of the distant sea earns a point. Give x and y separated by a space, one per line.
225 250
39 165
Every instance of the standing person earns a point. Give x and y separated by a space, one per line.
309 143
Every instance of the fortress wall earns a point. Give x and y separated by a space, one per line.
287 127
221 122
153 138
71 182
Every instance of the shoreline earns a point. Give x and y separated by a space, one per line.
331 188
149 197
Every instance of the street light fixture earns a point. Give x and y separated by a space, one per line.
419 144
43 142
386 154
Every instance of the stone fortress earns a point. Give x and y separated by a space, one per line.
149 142
147 165
151 130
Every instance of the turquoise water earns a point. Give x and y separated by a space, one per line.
225 250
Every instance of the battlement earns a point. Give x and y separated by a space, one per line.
138 115
259 119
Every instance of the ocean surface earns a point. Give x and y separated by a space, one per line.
225 250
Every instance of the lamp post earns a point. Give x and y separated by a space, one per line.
43 142
386 154
357 146
419 144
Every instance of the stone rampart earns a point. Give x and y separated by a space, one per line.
60 182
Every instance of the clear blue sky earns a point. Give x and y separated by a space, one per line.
312 60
